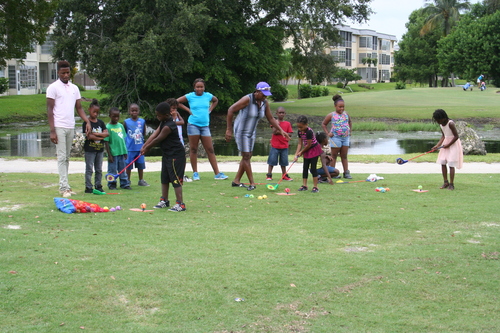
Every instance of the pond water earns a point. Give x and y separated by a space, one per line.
33 140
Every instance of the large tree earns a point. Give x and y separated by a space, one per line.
145 51
472 48
442 16
416 59
23 24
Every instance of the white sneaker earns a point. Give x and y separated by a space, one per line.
66 194
187 179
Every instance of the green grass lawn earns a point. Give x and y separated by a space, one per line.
347 259
407 104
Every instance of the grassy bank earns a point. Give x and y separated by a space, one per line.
346 259
380 104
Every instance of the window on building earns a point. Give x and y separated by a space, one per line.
384 59
346 38
374 43
348 56
12 77
385 75
27 76
385 45
365 42
46 48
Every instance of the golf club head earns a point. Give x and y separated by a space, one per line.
401 161
110 177
272 187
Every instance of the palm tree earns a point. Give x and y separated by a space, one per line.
443 15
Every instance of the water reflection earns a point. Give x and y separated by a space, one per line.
37 144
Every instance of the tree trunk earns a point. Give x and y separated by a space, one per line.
298 89
452 75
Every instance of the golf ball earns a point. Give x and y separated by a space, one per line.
112 209
247 195
287 190
251 196
118 208
264 196
420 187
260 197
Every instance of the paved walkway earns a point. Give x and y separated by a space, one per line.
50 166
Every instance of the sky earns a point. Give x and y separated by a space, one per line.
391 16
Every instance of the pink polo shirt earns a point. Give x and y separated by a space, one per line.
65 96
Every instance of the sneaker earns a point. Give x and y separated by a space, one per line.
66 194
187 179
72 192
220 176
251 188
347 175
233 184
337 177
287 178
99 188
178 207
112 188
323 180
303 188
163 204
88 190
315 190
127 188
196 176
269 176
142 182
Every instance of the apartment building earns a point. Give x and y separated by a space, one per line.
359 44
37 71
34 74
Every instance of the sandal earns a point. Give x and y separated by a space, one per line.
445 185
451 187
303 188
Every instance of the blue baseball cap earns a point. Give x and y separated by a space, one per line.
264 87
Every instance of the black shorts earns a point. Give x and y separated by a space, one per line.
172 170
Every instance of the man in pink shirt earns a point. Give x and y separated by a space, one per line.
62 99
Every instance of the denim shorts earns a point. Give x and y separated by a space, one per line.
275 153
339 141
198 130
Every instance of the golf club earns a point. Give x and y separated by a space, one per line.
274 187
400 161
111 177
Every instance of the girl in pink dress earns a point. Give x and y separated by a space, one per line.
451 152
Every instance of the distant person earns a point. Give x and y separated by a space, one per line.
135 127
340 133
116 150
173 160
451 153
279 147
479 80
251 108
467 86
309 148
63 98
94 148
201 104
326 172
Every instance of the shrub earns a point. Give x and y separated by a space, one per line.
316 91
280 92
340 85
400 85
80 87
4 85
325 91
305 90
